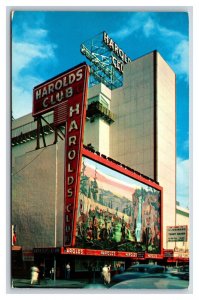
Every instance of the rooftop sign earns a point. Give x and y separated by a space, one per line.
107 60
123 58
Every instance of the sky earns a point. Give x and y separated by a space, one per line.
46 43
106 175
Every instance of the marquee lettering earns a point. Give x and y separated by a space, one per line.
70 192
72 136
76 112
70 170
72 110
72 140
73 126
68 207
70 180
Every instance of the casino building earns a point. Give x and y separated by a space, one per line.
130 129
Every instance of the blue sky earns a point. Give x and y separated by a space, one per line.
114 175
47 43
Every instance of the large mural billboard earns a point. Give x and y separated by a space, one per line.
116 212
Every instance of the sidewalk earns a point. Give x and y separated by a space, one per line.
58 283
48 283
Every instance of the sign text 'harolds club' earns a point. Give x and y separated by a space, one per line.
123 58
57 90
66 95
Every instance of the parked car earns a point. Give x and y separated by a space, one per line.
181 272
149 283
137 271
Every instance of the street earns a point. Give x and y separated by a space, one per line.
68 284
141 283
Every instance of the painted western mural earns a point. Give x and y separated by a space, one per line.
116 212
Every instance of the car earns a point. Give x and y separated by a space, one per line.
137 271
184 275
181 272
150 283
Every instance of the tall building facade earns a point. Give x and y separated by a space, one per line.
133 124
143 134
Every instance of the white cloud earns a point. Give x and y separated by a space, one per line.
146 23
183 182
149 27
22 94
176 43
169 33
133 25
22 104
25 53
29 51
185 145
34 34
180 59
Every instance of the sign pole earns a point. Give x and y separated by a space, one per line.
38 135
55 266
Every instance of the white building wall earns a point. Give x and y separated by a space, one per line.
97 131
132 134
38 196
92 133
143 135
104 141
166 141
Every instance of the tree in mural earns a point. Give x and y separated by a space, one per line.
94 187
83 181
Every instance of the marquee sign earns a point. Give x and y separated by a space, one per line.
76 116
168 252
57 90
177 233
66 95
77 251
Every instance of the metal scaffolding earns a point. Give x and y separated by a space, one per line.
101 68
